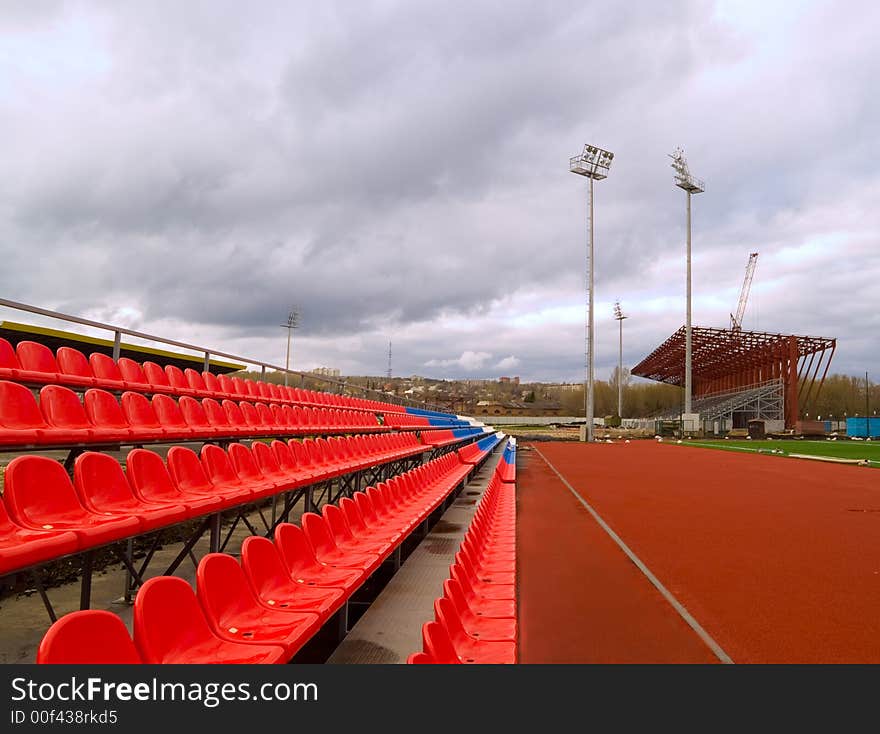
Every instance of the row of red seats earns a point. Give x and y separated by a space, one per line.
44 515
475 619
407 421
447 437
34 363
263 609
62 418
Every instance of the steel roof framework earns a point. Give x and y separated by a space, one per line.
728 359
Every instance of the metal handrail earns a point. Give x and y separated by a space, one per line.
118 331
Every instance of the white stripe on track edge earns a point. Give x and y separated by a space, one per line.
675 603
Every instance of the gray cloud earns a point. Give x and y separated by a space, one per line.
398 170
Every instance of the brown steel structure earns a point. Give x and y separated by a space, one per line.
725 360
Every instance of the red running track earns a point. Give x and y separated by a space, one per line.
580 599
778 559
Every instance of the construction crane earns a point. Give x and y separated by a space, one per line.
736 321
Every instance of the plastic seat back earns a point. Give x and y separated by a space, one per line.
266 459
294 548
211 382
133 373
335 519
37 491
187 471
61 408
216 415
18 407
438 645
285 456
74 363
104 368
138 411
251 416
157 376
217 465
222 588
245 464
194 380
36 358
194 414
234 415
168 413
168 620
177 379
149 477
318 532
101 484
88 637
8 360
103 410
263 567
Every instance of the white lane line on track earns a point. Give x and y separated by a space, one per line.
665 593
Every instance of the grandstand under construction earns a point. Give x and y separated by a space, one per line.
743 375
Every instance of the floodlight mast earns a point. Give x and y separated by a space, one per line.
619 316
292 323
593 163
691 185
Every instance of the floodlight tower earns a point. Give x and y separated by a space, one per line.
593 163
290 325
619 316
691 185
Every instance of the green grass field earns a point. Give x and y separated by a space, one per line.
837 449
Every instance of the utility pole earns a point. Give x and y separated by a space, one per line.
290 325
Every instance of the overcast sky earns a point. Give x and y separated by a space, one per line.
399 171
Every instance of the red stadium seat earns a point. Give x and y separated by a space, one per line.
88 637
170 417
138 411
21 547
107 372
133 374
194 414
63 411
10 369
469 649
150 480
170 627
438 645
212 385
217 418
236 614
301 564
476 623
39 495
74 367
222 474
196 383
38 361
190 478
245 464
275 587
106 415
103 489
327 551
178 381
157 377
21 422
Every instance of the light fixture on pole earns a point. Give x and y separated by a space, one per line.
618 314
292 323
594 164
691 185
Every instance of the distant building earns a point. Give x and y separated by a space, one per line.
515 408
326 371
509 380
